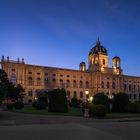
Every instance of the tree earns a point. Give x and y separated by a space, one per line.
14 91
74 102
101 98
120 101
4 82
7 89
57 101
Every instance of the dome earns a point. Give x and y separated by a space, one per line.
82 63
98 49
116 57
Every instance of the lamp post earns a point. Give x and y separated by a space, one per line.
110 100
86 113
91 99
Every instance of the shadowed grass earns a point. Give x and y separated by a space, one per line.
31 110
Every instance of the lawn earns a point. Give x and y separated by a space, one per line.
72 112
31 110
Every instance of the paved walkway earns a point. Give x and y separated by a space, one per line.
12 118
38 127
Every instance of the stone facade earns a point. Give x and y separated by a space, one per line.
98 77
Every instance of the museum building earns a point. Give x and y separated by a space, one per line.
97 77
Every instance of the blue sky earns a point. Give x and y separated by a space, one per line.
61 33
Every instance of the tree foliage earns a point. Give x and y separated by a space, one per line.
101 98
57 101
7 89
4 82
75 102
120 101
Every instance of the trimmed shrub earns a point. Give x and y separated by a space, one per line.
10 106
98 110
138 106
18 105
132 108
43 96
101 98
74 102
120 101
39 105
58 101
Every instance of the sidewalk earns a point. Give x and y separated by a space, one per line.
12 118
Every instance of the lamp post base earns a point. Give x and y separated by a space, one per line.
86 114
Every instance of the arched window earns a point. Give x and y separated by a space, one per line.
68 94
74 84
54 81
135 96
68 83
102 84
75 94
13 78
138 88
108 85
130 96
129 87
81 84
96 60
38 81
30 93
113 85
125 87
30 80
46 80
103 61
61 82
87 84
134 87
81 94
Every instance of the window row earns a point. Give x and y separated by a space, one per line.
108 85
66 83
134 96
75 94
131 87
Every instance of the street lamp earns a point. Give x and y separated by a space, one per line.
110 100
91 99
86 113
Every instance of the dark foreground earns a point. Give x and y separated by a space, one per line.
36 127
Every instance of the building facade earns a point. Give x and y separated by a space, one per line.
97 77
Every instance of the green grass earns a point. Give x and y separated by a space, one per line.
73 112
121 115
31 110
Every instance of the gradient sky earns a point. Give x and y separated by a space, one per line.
60 33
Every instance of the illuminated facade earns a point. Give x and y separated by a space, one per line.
98 77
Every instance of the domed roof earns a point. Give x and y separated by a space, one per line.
116 57
82 63
98 49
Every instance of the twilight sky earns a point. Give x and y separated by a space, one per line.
61 33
